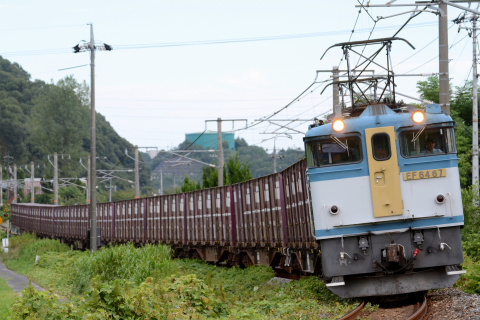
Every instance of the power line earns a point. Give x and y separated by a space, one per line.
212 42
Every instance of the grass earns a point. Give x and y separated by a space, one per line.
125 282
8 297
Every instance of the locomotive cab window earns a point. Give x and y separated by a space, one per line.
381 146
332 150
428 141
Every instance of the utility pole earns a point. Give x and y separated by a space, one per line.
274 156
93 150
462 19
32 181
336 88
14 183
444 83
110 197
220 152
89 183
55 179
90 46
137 175
1 185
475 107
161 183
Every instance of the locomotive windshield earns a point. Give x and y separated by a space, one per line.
332 150
427 141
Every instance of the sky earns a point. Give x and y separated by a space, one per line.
175 65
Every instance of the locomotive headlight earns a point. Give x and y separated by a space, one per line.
418 116
440 199
338 125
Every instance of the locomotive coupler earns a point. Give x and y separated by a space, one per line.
393 255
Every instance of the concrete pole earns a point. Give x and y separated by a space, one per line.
32 181
336 89
137 175
93 151
110 197
1 185
220 152
88 181
14 183
444 96
55 179
475 109
161 183
274 156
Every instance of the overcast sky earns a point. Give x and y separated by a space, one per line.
176 64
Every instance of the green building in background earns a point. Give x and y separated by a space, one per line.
208 139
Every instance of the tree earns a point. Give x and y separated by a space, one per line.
429 89
233 172
59 120
71 195
210 177
236 172
189 185
462 102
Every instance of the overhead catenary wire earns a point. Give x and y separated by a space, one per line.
205 42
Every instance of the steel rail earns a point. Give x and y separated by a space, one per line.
354 313
421 312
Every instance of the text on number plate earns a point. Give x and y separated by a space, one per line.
424 174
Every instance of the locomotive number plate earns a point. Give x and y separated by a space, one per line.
424 174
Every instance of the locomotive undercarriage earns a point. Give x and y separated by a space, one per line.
392 263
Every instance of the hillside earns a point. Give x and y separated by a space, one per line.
39 119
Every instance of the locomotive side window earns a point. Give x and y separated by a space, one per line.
332 150
381 146
427 141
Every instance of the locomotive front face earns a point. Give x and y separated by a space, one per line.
386 202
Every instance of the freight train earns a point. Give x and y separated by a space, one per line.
375 208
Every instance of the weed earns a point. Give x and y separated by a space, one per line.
7 299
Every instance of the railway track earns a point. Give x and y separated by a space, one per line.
415 311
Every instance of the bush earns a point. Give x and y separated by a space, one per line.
471 230
43 305
120 262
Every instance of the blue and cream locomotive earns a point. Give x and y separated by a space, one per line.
385 198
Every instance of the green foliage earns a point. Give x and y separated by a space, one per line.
210 177
7 299
120 262
189 185
71 195
463 102
39 119
59 119
233 172
44 198
429 89
43 305
236 172
471 229
24 248
174 289
123 195
470 282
